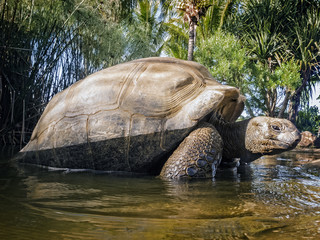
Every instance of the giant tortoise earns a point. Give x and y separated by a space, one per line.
157 116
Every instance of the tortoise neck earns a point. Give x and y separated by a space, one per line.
234 139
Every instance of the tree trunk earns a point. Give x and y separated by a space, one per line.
295 101
271 102
191 40
284 104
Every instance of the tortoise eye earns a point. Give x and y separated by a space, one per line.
275 127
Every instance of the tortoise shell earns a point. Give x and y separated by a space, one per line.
129 116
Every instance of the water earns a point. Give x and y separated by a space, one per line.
275 197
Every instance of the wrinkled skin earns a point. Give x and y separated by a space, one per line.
270 135
245 140
252 138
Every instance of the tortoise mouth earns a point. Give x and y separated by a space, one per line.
278 146
291 145
288 140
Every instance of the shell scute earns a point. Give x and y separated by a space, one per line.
154 92
108 125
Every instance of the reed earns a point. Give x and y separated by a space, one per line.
45 46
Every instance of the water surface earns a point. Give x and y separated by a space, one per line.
274 197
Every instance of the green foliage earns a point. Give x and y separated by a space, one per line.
193 11
276 58
268 89
274 31
260 28
144 32
305 37
45 46
228 62
287 75
216 15
309 120
225 58
177 43
304 41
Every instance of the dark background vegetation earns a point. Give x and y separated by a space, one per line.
267 48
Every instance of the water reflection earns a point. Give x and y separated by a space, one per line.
274 197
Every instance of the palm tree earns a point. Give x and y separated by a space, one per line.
213 16
177 43
217 16
193 10
145 31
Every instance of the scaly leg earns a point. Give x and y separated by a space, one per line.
198 156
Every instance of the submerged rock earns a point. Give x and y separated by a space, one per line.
307 139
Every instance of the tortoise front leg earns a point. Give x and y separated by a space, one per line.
198 156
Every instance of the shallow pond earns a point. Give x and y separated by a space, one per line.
274 197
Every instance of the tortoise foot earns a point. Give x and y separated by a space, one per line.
198 156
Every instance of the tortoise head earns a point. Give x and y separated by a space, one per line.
268 135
